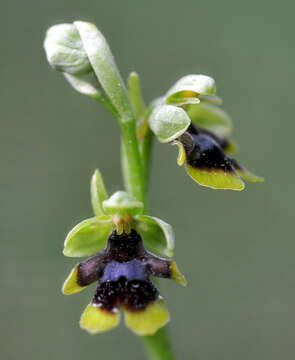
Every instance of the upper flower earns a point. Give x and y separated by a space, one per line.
187 116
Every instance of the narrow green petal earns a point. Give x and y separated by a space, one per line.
181 153
249 176
71 285
98 193
213 99
96 320
157 235
215 178
88 237
149 320
181 100
211 117
176 274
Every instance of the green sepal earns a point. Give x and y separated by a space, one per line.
168 122
149 320
157 235
88 237
98 193
189 88
65 51
211 117
122 203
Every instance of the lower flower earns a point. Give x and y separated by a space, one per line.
123 271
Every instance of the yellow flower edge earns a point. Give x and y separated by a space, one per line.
149 320
96 320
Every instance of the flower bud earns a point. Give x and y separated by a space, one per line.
64 50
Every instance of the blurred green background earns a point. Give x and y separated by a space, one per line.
236 249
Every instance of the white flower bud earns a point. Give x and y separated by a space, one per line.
64 50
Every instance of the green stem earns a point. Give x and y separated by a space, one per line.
131 162
106 71
145 149
158 346
144 134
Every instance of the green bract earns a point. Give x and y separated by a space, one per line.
210 117
122 203
64 49
168 122
190 89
